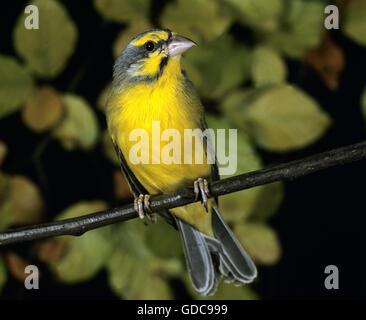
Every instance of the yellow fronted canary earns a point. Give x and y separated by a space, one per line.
149 86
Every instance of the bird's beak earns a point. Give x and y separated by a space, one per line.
177 45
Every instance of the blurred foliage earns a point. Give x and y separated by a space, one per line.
3 151
21 201
355 22
15 85
79 127
16 264
231 61
282 118
327 60
5 202
199 20
260 241
123 11
267 67
363 105
258 14
300 28
279 118
3 275
46 50
137 270
83 257
43 109
246 82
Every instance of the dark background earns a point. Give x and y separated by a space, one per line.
320 222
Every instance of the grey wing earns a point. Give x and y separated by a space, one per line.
214 168
136 187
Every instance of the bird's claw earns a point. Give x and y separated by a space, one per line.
200 186
139 203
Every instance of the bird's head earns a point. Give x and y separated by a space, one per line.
147 54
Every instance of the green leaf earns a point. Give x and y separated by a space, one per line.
267 67
43 109
301 28
124 11
234 104
6 218
27 201
3 152
260 14
284 118
128 239
354 21
15 85
47 49
196 19
108 148
171 247
79 127
237 206
260 241
130 278
363 103
103 97
87 254
21 201
268 201
133 271
3 274
163 257
217 67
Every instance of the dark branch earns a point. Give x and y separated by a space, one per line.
287 171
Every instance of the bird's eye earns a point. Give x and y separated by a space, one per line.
149 46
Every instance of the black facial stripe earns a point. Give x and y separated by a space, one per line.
155 77
164 60
163 63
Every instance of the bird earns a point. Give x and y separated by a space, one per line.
149 86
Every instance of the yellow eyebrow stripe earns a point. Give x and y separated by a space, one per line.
153 36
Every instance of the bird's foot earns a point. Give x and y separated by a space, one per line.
144 201
200 186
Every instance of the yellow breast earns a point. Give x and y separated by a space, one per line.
164 101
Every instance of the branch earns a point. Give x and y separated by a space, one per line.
287 171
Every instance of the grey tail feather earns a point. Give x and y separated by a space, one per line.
198 258
208 259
